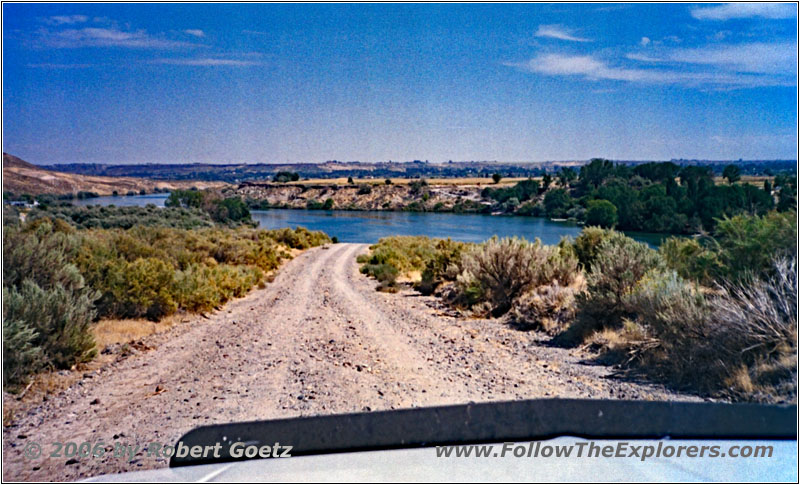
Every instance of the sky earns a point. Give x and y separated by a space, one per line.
245 83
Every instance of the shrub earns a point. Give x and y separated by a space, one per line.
505 268
750 244
418 186
690 259
754 327
283 177
46 305
21 355
406 253
550 308
618 266
107 217
140 288
739 343
442 266
52 323
364 189
588 242
298 238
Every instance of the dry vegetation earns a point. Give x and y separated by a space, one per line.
725 326
20 177
58 280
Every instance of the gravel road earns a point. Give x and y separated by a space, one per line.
318 340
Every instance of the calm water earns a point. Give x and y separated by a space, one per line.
369 226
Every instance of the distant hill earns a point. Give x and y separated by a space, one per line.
21 177
245 172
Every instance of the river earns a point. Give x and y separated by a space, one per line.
369 226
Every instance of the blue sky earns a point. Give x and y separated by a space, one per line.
127 83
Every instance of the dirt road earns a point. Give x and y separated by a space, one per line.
317 340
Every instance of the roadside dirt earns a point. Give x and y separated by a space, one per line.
318 340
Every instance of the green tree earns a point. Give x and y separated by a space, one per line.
497 178
595 172
284 176
556 203
566 175
547 180
732 173
601 213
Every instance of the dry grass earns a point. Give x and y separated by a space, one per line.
757 180
112 331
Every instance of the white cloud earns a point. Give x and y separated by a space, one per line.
634 56
594 69
559 32
206 62
588 67
757 57
644 41
745 10
66 19
105 37
720 36
195 32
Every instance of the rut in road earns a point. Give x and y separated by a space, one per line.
317 340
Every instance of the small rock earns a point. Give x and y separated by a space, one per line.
71 461
94 402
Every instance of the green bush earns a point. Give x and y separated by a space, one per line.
60 317
618 266
750 244
406 253
46 306
108 217
141 288
691 259
601 213
230 210
21 354
588 242
442 266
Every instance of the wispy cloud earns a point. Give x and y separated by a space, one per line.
195 32
207 62
756 57
105 37
49 65
594 69
66 19
560 32
587 66
746 10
